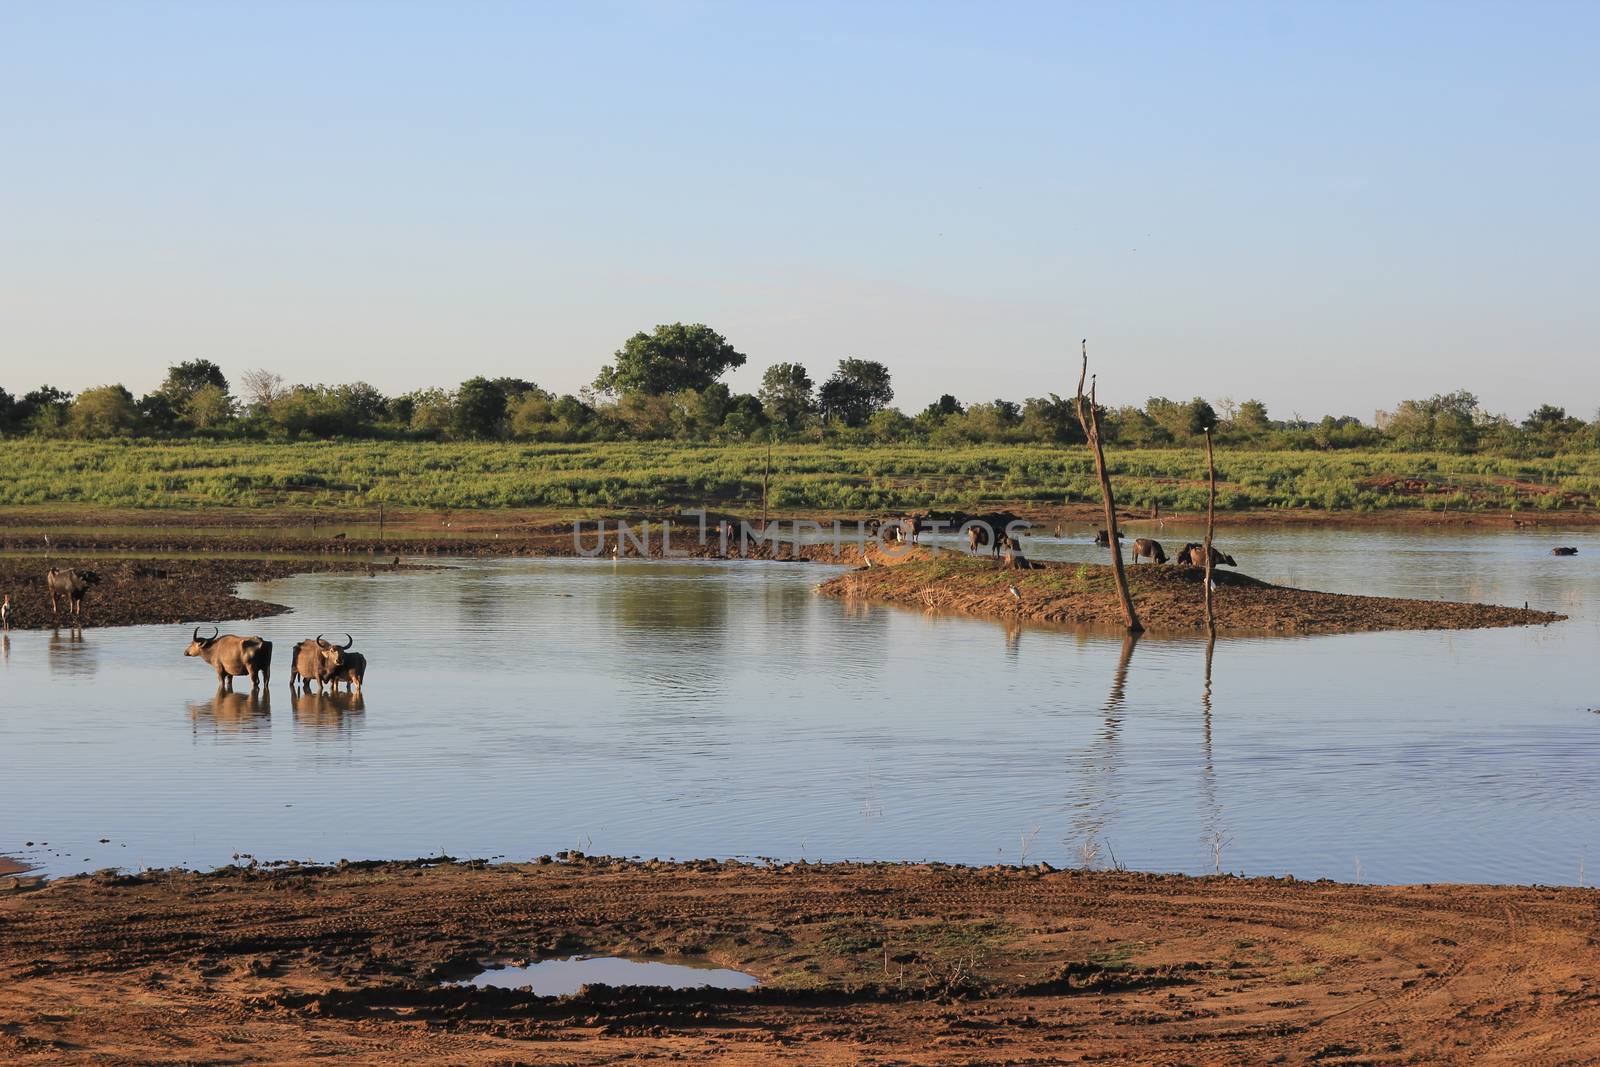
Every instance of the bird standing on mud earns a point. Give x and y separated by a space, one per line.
1013 591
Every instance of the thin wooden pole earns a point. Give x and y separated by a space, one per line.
766 475
1090 421
1211 522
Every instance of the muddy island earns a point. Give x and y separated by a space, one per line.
1169 598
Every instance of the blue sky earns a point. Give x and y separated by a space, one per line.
1330 207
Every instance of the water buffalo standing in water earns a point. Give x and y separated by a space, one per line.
351 672
72 584
1564 550
1146 546
232 656
1102 539
317 661
1193 555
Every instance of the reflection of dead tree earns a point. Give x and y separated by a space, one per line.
1090 421
1119 682
1212 814
1211 522
1098 763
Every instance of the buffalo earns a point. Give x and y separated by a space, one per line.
317 661
351 672
72 584
1103 539
1564 550
1193 555
233 657
1145 546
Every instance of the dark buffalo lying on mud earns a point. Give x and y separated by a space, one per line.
72 584
1145 547
1564 550
1193 555
233 656
317 661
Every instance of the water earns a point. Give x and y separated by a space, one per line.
520 707
559 978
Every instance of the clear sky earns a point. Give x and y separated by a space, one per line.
1329 206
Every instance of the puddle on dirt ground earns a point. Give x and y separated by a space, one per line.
559 978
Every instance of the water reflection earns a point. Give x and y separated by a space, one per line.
1211 807
1095 805
231 713
70 654
326 715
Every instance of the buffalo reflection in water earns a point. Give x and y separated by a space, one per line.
69 654
233 713
327 712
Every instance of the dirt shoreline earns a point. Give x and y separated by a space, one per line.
160 589
1168 598
860 963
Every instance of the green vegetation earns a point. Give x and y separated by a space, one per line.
664 386
878 478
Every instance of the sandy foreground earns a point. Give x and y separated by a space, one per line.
874 964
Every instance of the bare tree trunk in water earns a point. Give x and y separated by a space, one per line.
765 476
1090 421
1211 522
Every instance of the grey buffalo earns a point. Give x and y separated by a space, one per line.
317 661
72 584
232 657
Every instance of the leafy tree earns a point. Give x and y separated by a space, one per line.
480 408
746 416
1252 417
1181 419
209 407
8 409
672 358
944 407
889 425
184 380
1051 419
516 388
432 411
858 389
1548 418
157 413
44 409
1131 426
698 413
107 411
787 394
1444 421
643 416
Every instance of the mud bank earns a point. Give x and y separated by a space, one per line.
133 592
918 964
1168 598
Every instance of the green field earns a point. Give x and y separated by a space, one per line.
877 478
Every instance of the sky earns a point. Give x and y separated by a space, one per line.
1330 207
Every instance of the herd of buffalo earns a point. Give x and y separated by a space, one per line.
315 660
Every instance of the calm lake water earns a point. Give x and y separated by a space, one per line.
519 707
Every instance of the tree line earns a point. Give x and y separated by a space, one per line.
665 385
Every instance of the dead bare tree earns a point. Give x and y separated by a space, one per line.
1211 522
1090 421
261 387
